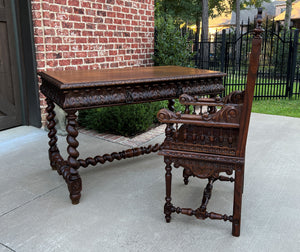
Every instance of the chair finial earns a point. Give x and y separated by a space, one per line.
258 30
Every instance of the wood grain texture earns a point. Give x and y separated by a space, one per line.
109 77
127 86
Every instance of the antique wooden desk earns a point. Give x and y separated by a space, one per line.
82 89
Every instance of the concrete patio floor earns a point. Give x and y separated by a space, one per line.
122 202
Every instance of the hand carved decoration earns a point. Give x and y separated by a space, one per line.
202 169
130 94
236 97
53 150
229 113
209 138
119 155
74 180
75 90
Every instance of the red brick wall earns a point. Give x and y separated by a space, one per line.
92 34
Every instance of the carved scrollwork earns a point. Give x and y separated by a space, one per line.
165 114
202 169
235 97
186 98
228 113
129 94
52 92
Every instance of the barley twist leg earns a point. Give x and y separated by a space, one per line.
53 150
73 179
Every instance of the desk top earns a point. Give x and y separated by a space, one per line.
83 89
76 79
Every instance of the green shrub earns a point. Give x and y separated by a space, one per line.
125 120
170 47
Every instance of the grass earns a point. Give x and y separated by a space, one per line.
274 106
284 107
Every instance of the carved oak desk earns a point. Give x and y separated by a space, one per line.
82 89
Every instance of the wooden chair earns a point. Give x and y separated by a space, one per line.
207 143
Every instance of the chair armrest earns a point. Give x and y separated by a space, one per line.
187 100
235 97
227 117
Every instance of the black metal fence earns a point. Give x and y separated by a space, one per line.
279 70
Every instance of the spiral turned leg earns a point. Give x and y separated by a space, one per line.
72 178
53 150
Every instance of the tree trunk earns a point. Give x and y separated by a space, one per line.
287 18
204 34
197 44
238 34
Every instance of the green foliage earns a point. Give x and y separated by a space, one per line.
125 120
244 4
181 11
170 47
189 11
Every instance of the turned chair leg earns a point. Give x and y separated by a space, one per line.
237 204
168 177
243 178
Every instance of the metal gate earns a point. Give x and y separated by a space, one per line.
279 69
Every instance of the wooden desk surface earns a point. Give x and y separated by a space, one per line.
108 77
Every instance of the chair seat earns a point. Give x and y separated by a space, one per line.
202 165
202 156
